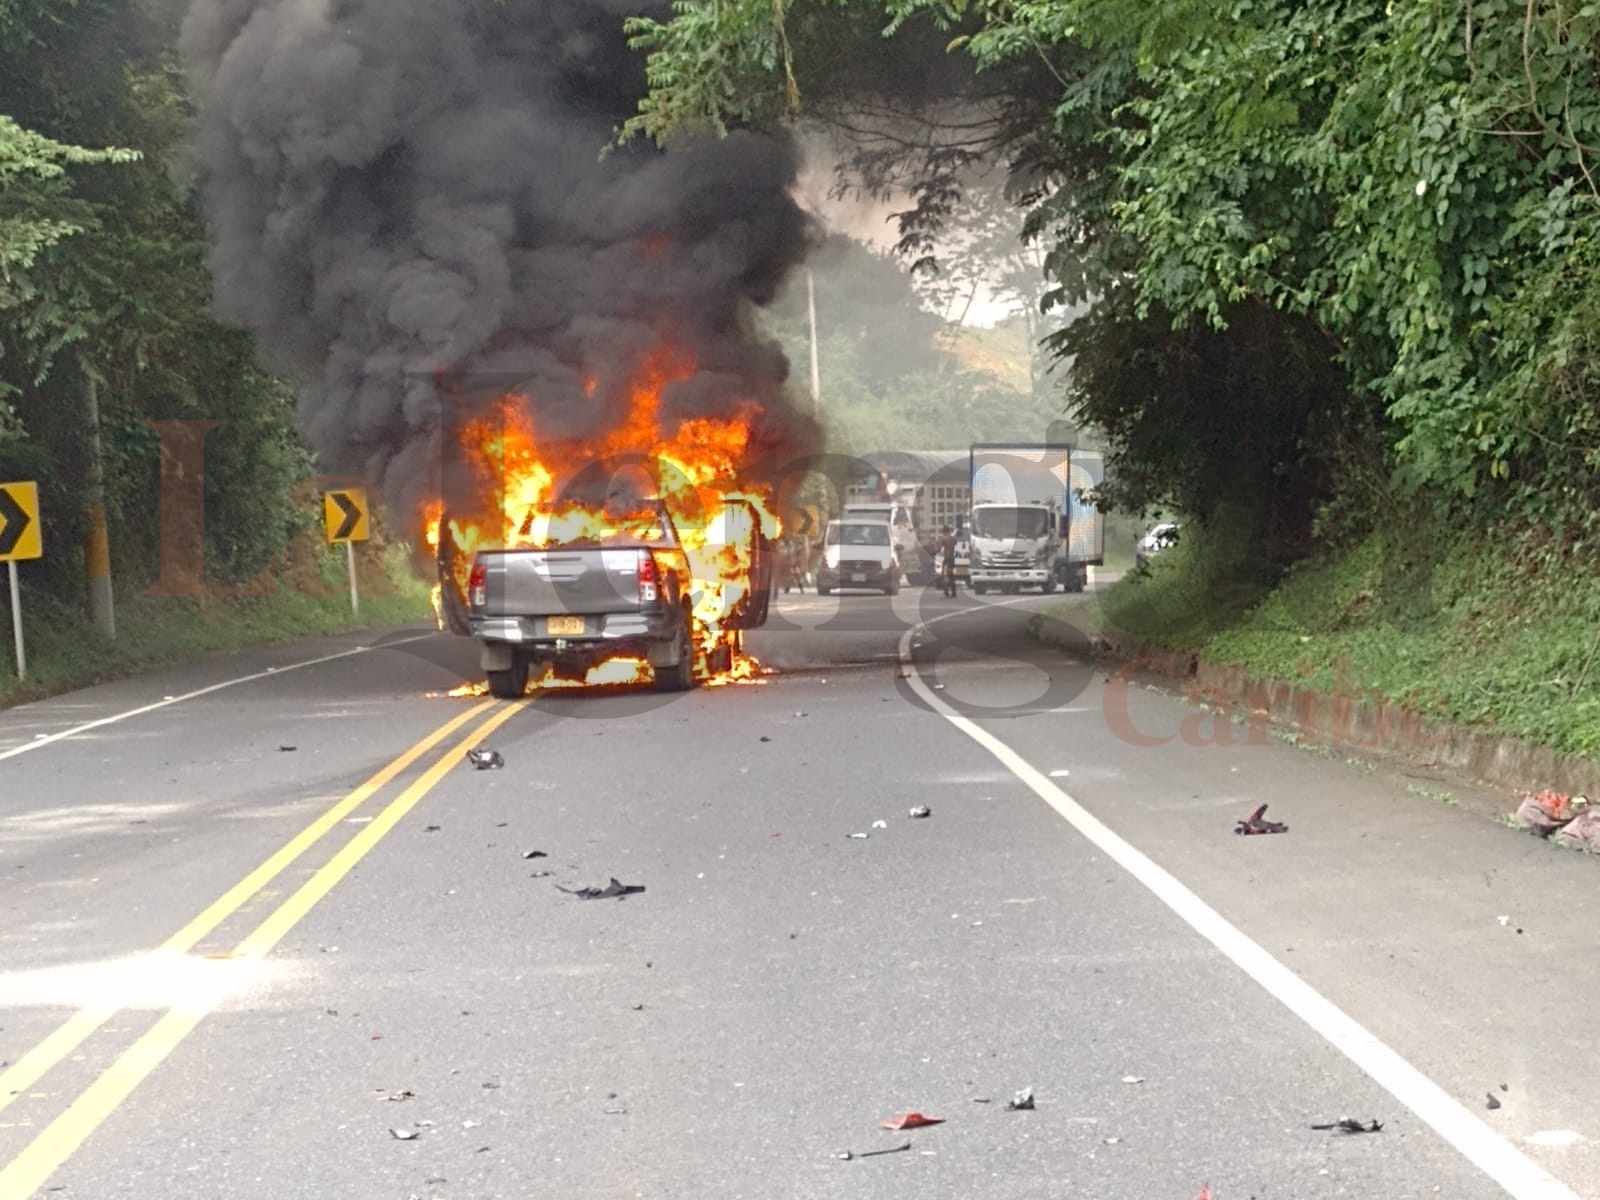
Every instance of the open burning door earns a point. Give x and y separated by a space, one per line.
451 603
734 568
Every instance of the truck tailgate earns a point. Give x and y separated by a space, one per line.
541 582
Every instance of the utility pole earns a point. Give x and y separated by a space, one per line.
97 546
816 374
953 335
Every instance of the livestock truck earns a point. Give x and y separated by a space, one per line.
1030 527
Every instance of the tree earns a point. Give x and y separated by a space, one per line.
37 211
1408 192
103 277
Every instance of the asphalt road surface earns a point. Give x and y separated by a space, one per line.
265 934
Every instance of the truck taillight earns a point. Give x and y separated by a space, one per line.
478 585
647 577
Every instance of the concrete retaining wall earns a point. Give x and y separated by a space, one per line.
1366 723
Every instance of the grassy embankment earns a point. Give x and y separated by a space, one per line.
1511 645
65 650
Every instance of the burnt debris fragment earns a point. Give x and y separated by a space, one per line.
1021 1102
615 890
1257 822
1351 1125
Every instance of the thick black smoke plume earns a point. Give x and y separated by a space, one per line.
405 194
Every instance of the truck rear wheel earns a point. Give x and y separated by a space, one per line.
1048 586
512 682
680 677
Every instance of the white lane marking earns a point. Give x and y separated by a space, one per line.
1477 1142
167 701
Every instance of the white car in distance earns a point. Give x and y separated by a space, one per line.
1154 542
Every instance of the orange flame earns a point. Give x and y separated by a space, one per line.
690 469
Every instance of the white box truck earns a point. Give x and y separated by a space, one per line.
1029 526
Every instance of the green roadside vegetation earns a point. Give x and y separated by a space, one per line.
1481 630
66 651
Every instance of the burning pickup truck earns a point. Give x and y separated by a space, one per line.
620 590
597 560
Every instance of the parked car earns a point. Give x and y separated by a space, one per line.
1154 542
859 554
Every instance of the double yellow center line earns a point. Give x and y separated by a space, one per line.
22 1177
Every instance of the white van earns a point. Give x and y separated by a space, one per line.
858 553
902 529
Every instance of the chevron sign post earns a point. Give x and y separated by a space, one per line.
344 519
19 539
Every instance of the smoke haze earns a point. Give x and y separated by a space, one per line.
401 192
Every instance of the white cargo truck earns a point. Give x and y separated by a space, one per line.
1029 526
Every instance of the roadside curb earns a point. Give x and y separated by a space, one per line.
1337 719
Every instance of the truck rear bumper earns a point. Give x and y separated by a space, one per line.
594 627
603 636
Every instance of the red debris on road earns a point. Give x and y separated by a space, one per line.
911 1120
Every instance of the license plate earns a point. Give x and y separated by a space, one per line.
858 579
561 626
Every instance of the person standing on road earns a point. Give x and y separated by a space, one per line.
794 564
947 548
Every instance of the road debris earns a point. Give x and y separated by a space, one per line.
765 738
485 760
982 1100
1351 1125
1256 822
1545 812
1494 1101
534 854
616 889
1584 828
541 875
431 828
847 1155
287 749
398 1097
880 824
860 835
1133 1079
910 1120
614 1107
922 810
1021 1102
405 1135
